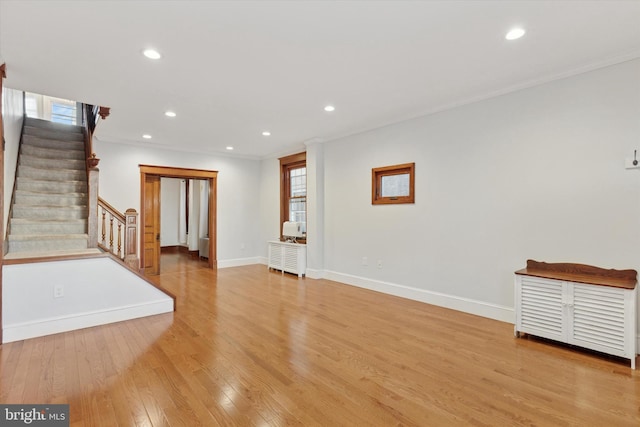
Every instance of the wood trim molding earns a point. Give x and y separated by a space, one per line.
184 173
3 75
581 273
376 184
19 261
172 172
287 163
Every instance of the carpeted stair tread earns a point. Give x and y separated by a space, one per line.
23 197
49 212
57 163
51 153
35 226
43 185
43 237
58 144
47 124
47 242
51 174
52 253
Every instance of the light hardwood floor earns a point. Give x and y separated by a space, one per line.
250 347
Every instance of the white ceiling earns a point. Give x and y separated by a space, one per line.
232 69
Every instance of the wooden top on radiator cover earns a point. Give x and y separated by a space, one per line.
581 273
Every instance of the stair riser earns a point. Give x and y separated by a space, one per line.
75 227
52 143
38 162
51 186
51 174
39 212
47 245
45 153
52 134
49 200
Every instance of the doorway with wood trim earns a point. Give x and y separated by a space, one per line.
150 212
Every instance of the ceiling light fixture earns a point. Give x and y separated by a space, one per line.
515 33
151 54
329 108
230 148
266 133
146 136
170 114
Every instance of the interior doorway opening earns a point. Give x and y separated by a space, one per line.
150 215
184 216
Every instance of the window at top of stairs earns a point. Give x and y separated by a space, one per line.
49 108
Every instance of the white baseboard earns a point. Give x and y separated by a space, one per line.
23 331
239 262
467 305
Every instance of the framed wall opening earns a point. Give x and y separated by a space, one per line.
150 212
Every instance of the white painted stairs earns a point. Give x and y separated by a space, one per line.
49 210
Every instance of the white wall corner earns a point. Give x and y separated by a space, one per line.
467 305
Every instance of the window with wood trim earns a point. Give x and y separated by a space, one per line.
293 191
393 184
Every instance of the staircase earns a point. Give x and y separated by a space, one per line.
49 210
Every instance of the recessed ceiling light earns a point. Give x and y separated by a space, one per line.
146 136
229 148
329 108
266 133
515 33
170 114
151 54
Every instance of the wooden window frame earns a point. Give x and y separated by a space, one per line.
288 163
376 184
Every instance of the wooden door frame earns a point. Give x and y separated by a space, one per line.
3 74
182 173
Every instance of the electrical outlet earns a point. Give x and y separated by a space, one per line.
379 263
365 261
58 291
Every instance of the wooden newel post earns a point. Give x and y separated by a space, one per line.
130 239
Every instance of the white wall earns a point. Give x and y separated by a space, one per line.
238 191
536 174
169 211
12 108
269 204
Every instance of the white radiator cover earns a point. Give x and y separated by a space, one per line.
288 257
596 317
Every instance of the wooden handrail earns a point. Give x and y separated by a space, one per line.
117 233
113 211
